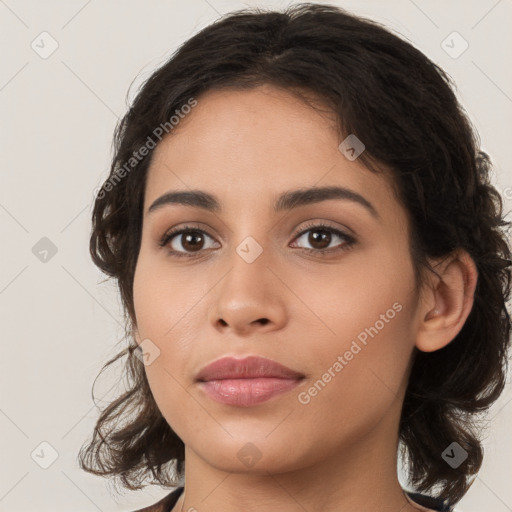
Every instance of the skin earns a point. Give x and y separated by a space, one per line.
339 451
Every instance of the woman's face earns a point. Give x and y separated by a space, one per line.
251 280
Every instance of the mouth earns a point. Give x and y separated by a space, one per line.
247 392
246 382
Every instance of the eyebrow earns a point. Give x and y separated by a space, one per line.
286 201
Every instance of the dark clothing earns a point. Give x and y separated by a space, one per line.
429 502
167 502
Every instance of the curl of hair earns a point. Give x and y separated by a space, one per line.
402 106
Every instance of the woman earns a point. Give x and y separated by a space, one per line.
312 262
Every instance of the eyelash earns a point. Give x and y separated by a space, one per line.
349 241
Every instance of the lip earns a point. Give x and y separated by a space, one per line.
246 382
250 367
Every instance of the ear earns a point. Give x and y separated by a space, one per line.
446 301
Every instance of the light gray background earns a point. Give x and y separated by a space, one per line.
59 324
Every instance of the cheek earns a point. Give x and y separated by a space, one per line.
340 303
163 302
361 340
356 384
162 296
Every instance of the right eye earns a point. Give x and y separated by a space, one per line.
189 238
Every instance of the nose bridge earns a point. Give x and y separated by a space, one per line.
250 242
248 275
249 291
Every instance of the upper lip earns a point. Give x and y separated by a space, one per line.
246 368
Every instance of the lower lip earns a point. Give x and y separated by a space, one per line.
247 392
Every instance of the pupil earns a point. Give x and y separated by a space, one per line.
189 237
314 239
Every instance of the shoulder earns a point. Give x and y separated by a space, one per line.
165 504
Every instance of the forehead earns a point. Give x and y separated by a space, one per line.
247 146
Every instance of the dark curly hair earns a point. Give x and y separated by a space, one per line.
403 106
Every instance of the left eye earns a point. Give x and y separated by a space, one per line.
321 236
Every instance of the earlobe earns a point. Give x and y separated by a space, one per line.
448 302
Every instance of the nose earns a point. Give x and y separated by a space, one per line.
250 297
